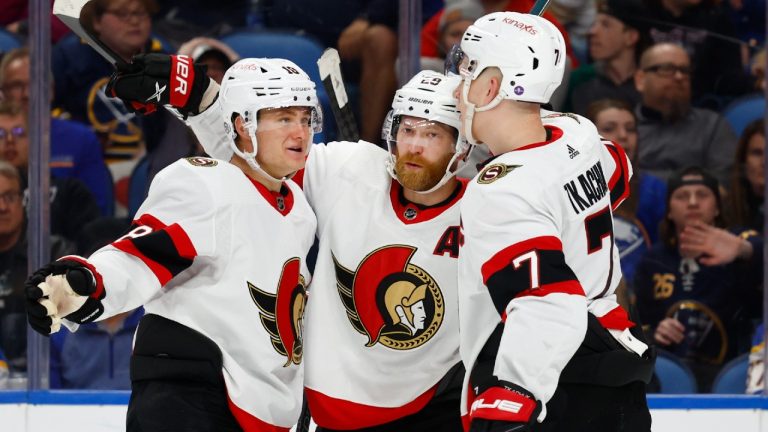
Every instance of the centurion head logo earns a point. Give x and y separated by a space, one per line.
282 314
389 300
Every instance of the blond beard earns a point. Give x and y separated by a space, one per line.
425 179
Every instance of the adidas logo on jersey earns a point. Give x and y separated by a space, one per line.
572 152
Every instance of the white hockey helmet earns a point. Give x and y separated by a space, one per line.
253 84
429 96
528 49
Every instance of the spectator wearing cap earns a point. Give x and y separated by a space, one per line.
453 21
615 42
214 53
672 132
697 289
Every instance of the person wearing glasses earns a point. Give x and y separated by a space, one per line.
80 75
13 263
72 204
675 134
75 149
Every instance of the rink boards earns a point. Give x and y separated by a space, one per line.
87 411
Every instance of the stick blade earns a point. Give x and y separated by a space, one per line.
69 12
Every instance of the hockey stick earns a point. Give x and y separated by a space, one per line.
69 12
330 72
539 7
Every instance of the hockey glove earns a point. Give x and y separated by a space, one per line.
62 289
501 406
151 80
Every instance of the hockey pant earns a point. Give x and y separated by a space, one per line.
602 388
176 381
441 414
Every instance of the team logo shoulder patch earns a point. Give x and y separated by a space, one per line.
390 300
202 161
491 173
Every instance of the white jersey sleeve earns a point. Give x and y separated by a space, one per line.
514 240
331 165
173 227
208 127
618 172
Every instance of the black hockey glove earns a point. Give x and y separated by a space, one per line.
501 406
152 80
62 289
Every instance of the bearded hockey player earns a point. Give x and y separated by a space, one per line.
382 336
545 344
216 255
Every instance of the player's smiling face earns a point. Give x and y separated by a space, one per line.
283 136
423 149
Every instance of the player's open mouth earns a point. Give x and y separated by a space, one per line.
296 149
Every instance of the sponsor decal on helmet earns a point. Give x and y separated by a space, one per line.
528 28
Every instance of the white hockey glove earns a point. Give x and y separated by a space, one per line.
62 289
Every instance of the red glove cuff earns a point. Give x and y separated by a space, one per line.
182 78
509 404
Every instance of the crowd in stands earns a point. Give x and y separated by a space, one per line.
658 77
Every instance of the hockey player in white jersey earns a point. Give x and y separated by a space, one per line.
216 255
381 346
382 323
544 342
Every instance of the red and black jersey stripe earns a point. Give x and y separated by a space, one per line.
165 249
619 182
507 280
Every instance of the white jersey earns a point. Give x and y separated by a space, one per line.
539 254
382 319
219 253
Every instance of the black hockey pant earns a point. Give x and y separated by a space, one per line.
176 381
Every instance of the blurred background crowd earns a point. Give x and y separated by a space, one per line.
678 83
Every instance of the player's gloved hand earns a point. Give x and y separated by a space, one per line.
501 406
62 289
151 80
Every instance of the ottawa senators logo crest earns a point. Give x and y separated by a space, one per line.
389 300
282 314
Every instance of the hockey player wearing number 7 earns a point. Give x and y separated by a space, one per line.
545 344
381 330
216 255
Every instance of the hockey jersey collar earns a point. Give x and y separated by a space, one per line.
281 201
410 213
553 134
